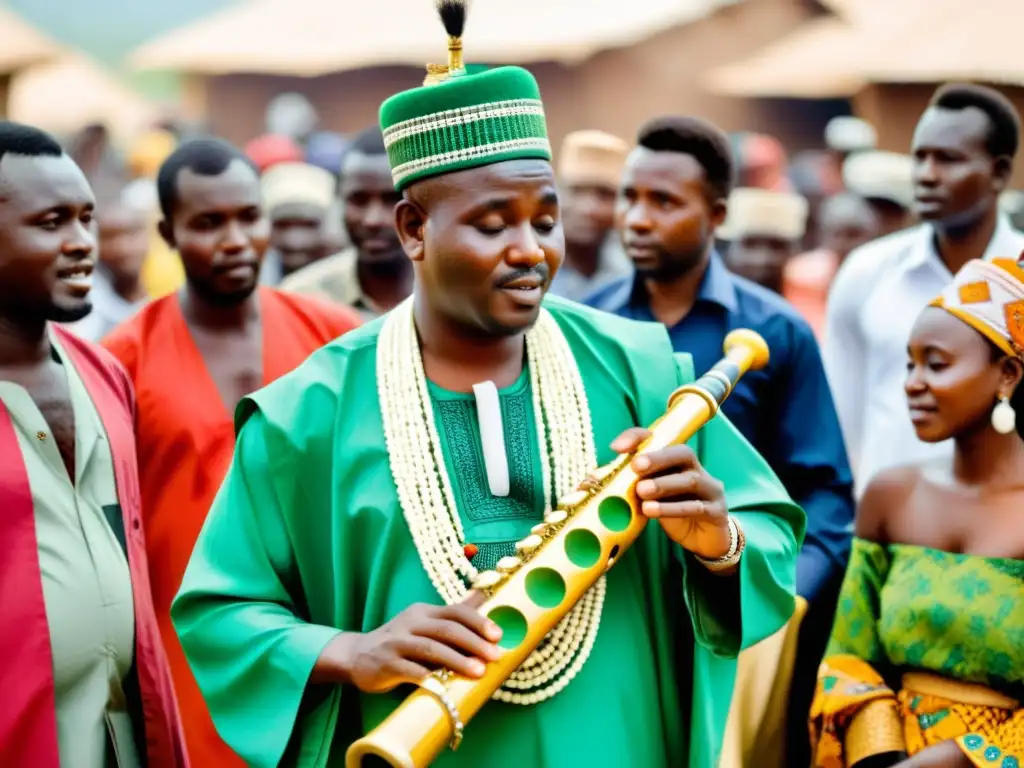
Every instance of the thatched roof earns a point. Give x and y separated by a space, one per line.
72 91
21 45
314 37
883 41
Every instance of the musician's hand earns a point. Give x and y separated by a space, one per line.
677 492
945 754
417 641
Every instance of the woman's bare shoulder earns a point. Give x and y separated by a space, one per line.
884 497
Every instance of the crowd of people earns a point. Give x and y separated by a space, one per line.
270 413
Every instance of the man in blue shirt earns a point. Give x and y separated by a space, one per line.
672 200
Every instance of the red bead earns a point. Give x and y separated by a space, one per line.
470 550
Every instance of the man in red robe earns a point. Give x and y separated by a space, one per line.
84 682
192 356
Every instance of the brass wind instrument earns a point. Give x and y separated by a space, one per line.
561 559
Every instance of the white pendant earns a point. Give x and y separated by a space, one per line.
1004 418
492 437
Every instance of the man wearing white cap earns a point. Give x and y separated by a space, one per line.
847 134
963 151
764 229
886 181
589 169
297 197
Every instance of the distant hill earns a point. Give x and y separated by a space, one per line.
109 29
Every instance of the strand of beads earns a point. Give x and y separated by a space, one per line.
424 493
426 496
566 648
534 697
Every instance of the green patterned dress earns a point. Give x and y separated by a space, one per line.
910 609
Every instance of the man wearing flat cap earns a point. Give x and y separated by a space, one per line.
589 171
764 229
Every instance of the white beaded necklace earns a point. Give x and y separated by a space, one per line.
428 503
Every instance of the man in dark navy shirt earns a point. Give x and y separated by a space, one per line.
673 198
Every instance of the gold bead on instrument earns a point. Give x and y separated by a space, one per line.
488 580
601 473
574 499
508 564
529 544
556 516
560 562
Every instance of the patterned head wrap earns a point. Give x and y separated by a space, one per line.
989 297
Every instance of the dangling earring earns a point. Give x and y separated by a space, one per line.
1004 418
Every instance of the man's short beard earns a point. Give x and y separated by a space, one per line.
673 268
385 267
58 314
496 329
486 326
962 223
225 300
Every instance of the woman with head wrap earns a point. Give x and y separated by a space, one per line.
926 662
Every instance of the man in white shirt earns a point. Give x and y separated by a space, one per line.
963 150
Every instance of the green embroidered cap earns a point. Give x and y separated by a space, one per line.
462 117
464 122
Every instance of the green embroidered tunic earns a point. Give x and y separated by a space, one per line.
307 538
493 523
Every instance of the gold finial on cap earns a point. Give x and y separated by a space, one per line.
455 63
436 73
453 16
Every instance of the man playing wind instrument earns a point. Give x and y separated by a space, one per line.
372 484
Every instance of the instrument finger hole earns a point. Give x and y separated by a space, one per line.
582 548
612 555
615 513
512 623
545 587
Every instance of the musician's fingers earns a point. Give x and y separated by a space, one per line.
630 439
675 457
475 599
469 616
690 482
437 654
680 509
407 671
455 635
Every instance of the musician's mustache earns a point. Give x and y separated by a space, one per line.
540 273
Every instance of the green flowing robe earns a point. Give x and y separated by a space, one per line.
306 538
